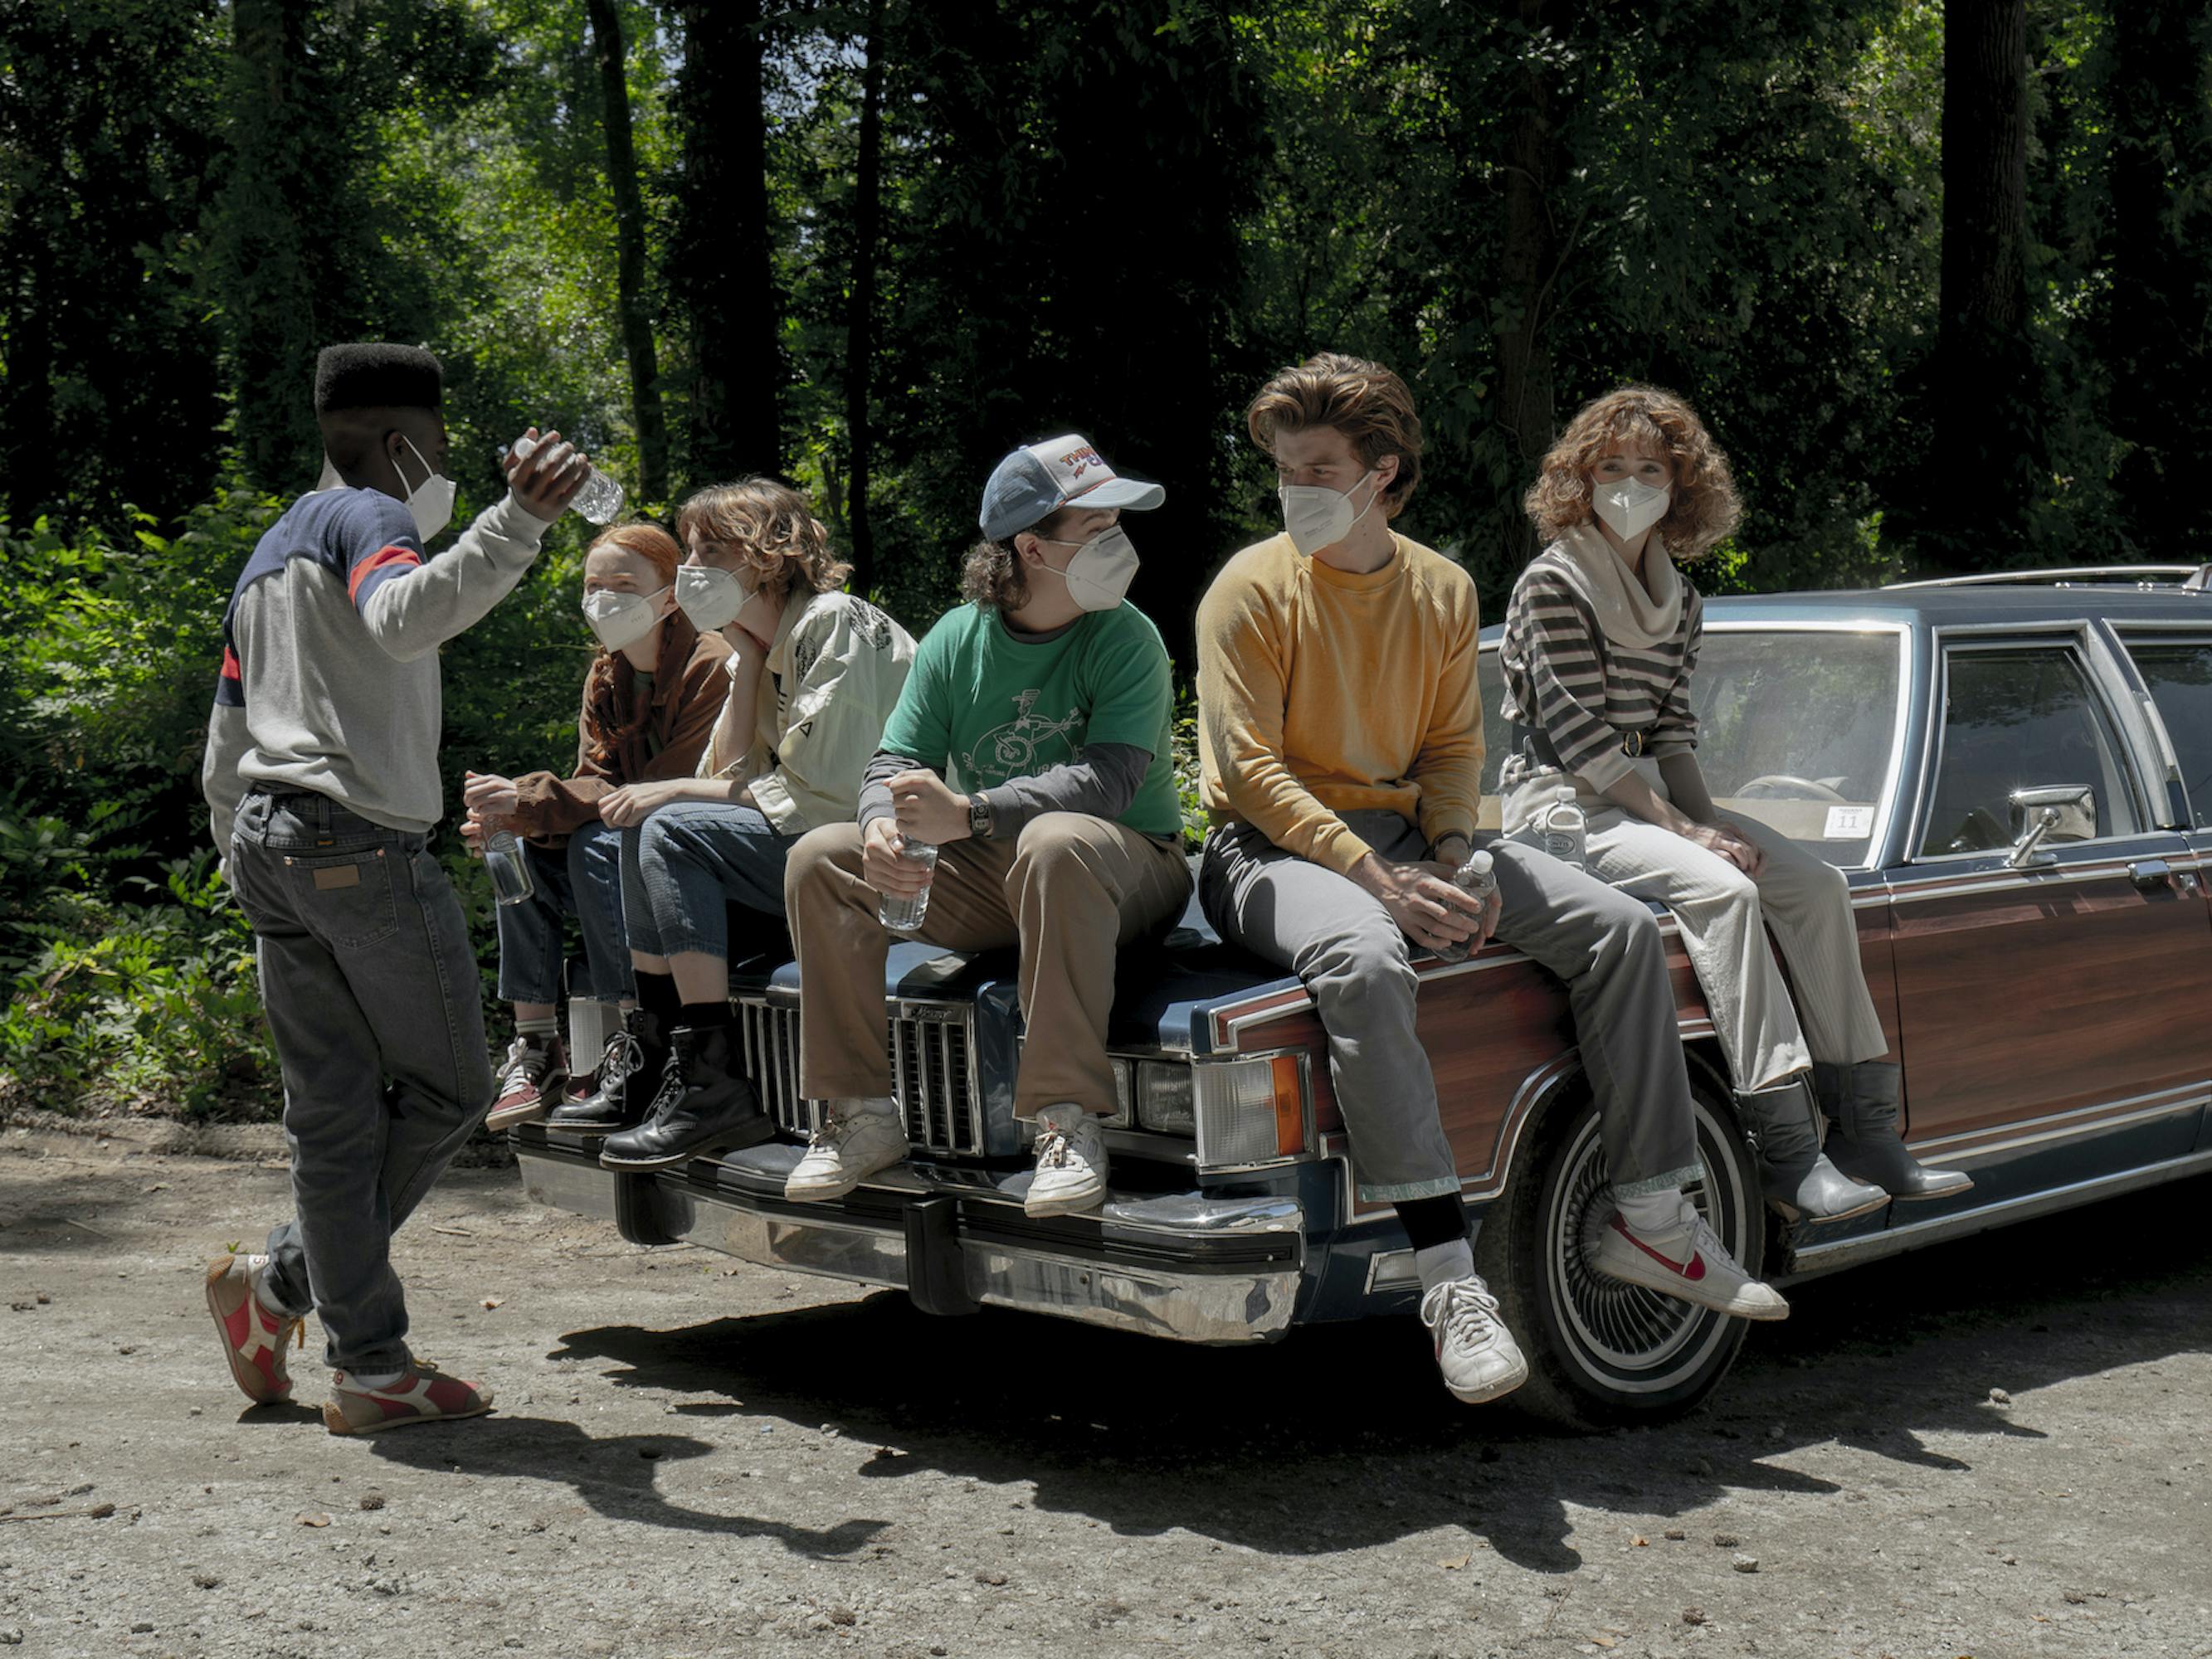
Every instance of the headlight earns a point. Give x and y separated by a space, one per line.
1164 1101
1249 1111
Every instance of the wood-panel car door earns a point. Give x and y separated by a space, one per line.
2176 666
2052 1014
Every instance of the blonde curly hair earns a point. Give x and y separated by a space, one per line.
769 525
1704 508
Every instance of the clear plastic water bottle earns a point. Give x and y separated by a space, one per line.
1475 877
599 500
1563 833
903 916
510 880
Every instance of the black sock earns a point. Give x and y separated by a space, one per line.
656 995
703 1016
1429 1221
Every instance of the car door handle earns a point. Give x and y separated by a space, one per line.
2151 874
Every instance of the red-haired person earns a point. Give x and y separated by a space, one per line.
1340 749
651 699
812 674
1600 644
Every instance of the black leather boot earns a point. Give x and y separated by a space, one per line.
629 1073
1861 1102
705 1101
1799 1181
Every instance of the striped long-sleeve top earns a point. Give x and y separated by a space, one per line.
1580 700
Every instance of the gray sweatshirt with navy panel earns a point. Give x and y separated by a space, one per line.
330 677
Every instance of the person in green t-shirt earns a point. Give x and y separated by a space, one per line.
1031 745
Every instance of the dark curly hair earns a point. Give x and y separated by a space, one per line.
992 574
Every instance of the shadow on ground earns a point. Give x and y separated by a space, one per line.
1339 1437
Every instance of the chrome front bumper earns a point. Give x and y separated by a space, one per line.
1187 1266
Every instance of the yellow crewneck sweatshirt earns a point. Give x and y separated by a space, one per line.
1320 692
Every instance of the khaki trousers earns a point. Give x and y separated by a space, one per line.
1725 916
1069 890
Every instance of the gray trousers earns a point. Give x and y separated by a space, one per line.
1359 967
373 1001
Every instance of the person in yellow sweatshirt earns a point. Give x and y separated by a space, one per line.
1341 749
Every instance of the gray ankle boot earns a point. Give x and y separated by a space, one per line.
1800 1181
1861 1102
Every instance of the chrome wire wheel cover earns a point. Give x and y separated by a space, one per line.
1625 1338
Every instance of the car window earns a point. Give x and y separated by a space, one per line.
2179 676
2019 718
1795 729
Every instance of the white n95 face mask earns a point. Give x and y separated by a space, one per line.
1630 507
1317 517
1101 571
711 598
431 504
621 619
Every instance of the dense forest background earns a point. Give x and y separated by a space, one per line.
1937 275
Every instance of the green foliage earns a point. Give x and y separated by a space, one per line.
1115 216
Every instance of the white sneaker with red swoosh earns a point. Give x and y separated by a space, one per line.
1688 1262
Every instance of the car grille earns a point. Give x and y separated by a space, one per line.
933 1064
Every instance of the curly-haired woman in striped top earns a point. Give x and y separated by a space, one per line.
1602 639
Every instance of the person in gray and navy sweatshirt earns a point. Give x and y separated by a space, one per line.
322 787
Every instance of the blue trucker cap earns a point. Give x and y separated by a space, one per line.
1032 484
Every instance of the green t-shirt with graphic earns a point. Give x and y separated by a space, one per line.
982 707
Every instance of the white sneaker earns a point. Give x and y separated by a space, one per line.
1687 1262
848 1148
1070 1163
1476 1352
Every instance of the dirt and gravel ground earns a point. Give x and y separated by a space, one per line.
692 1457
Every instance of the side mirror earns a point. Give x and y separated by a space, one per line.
2065 811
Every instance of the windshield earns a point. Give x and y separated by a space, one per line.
1795 729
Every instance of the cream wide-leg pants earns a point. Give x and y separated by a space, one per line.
1723 916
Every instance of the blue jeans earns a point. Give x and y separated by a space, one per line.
685 866
583 880
371 990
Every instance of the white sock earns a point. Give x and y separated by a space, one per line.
372 1380
543 1030
864 1106
1439 1264
1653 1213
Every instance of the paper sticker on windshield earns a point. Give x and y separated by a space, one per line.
1849 823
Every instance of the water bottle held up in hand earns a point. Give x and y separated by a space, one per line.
510 880
1475 879
903 916
601 499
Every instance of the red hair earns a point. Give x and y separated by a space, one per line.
610 724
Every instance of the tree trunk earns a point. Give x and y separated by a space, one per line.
630 251
724 270
262 276
860 320
1986 471
1527 265
2159 335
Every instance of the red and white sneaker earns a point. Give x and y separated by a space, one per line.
253 1339
423 1395
532 1081
1687 1262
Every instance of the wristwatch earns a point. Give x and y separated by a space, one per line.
979 817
